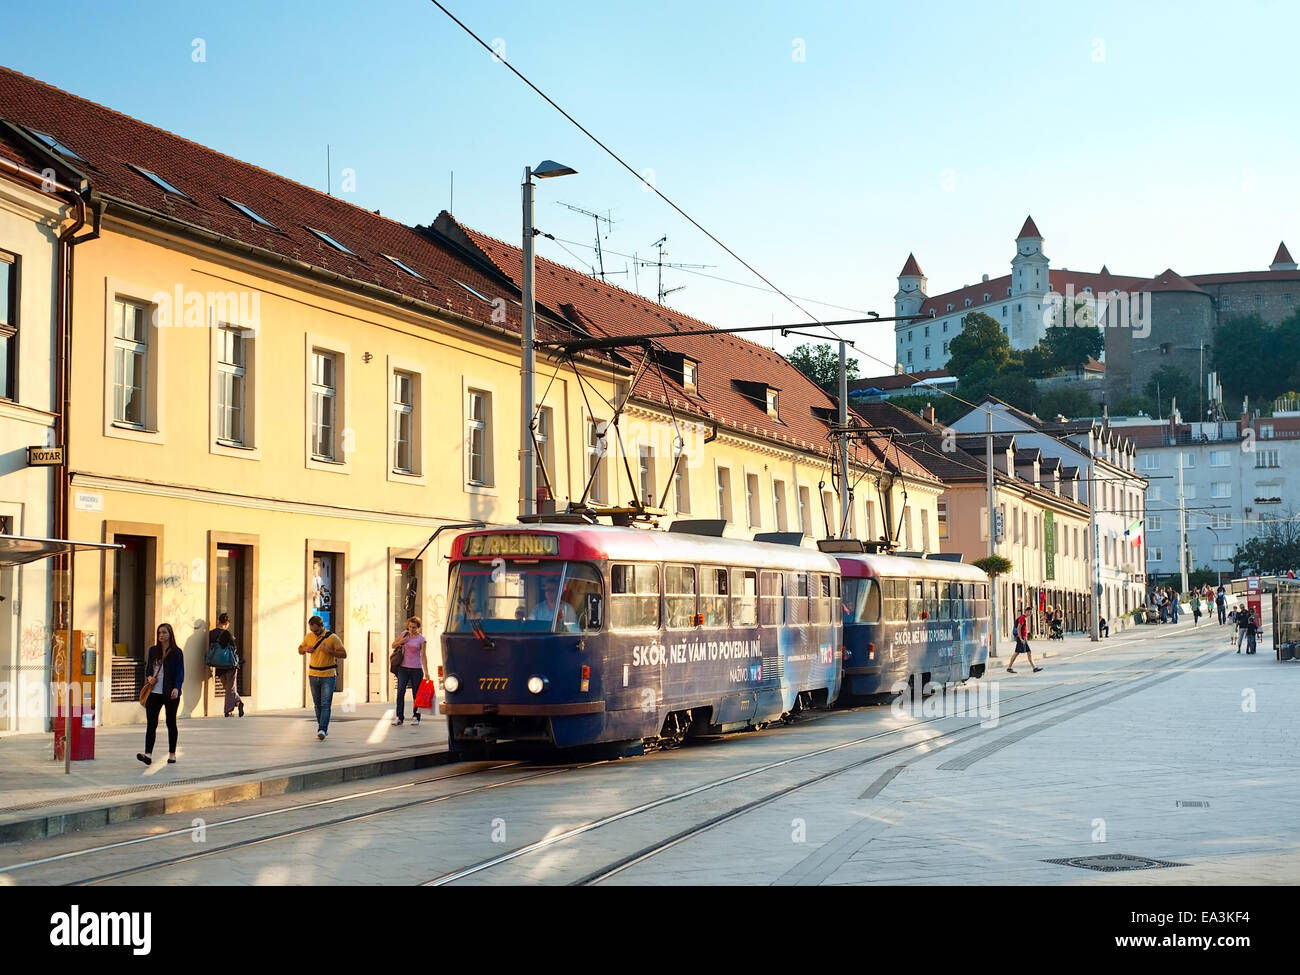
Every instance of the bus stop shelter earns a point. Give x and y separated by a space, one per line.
19 550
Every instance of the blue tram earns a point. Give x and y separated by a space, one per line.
561 635
904 616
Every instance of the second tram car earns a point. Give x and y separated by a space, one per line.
561 635
907 616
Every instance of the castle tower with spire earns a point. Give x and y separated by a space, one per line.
1282 259
911 289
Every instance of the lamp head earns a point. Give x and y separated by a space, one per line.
548 168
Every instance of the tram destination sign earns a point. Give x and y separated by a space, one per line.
44 456
515 543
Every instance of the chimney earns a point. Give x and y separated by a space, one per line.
927 414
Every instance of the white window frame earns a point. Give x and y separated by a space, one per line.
682 486
753 499
250 447
544 433
1151 462
647 482
482 394
805 510
1221 489
1220 458
596 451
725 491
780 506
417 474
153 429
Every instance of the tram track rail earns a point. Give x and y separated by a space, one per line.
1097 685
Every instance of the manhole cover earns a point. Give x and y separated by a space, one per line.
1112 862
1192 804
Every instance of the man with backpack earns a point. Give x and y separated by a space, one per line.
1022 640
1221 601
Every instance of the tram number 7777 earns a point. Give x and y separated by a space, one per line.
493 683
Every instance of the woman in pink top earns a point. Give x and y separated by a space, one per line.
415 668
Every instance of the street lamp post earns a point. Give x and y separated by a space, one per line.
527 456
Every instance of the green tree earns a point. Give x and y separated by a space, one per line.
981 340
994 565
1070 401
1275 548
1245 357
821 364
1133 405
1038 362
1070 346
1167 384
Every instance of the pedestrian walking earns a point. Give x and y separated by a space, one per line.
1196 609
414 669
165 666
1173 604
1221 602
220 636
1022 641
326 650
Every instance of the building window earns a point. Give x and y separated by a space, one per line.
1154 555
1153 492
1154 523
1221 489
324 386
1150 462
910 333
942 519
1266 431
130 363
1266 458
945 328
927 352
752 501
945 348
232 385
646 468
1220 458
778 505
1189 460
596 461
688 374
478 437
682 486
724 494
8 326
805 512
403 421
1004 311
1259 299
773 402
544 458
927 331
1189 492
1224 553
909 357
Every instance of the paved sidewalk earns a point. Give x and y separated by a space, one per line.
219 760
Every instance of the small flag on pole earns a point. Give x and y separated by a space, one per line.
1134 533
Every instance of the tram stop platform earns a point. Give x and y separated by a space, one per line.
219 761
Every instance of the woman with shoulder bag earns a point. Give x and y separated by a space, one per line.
165 670
414 667
222 638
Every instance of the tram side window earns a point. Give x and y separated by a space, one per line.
744 597
862 600
797 611
634 597
968 609
713 596
895 600
679 595
771 598
822 608
945 601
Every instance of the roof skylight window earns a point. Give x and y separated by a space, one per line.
405 267
56 145
479 295
158 181
250 213
331 241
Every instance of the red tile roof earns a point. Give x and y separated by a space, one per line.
1170 280
1029 230
1283 256
112 143
607 309
911 267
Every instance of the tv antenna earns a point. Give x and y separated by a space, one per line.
659 244
609 223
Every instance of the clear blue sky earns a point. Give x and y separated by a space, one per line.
1142 136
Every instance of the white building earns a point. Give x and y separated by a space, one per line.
1235 478
1107 462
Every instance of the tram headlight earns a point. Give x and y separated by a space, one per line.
537 684
451 683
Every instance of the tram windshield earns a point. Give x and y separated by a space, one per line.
512 597
861 602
